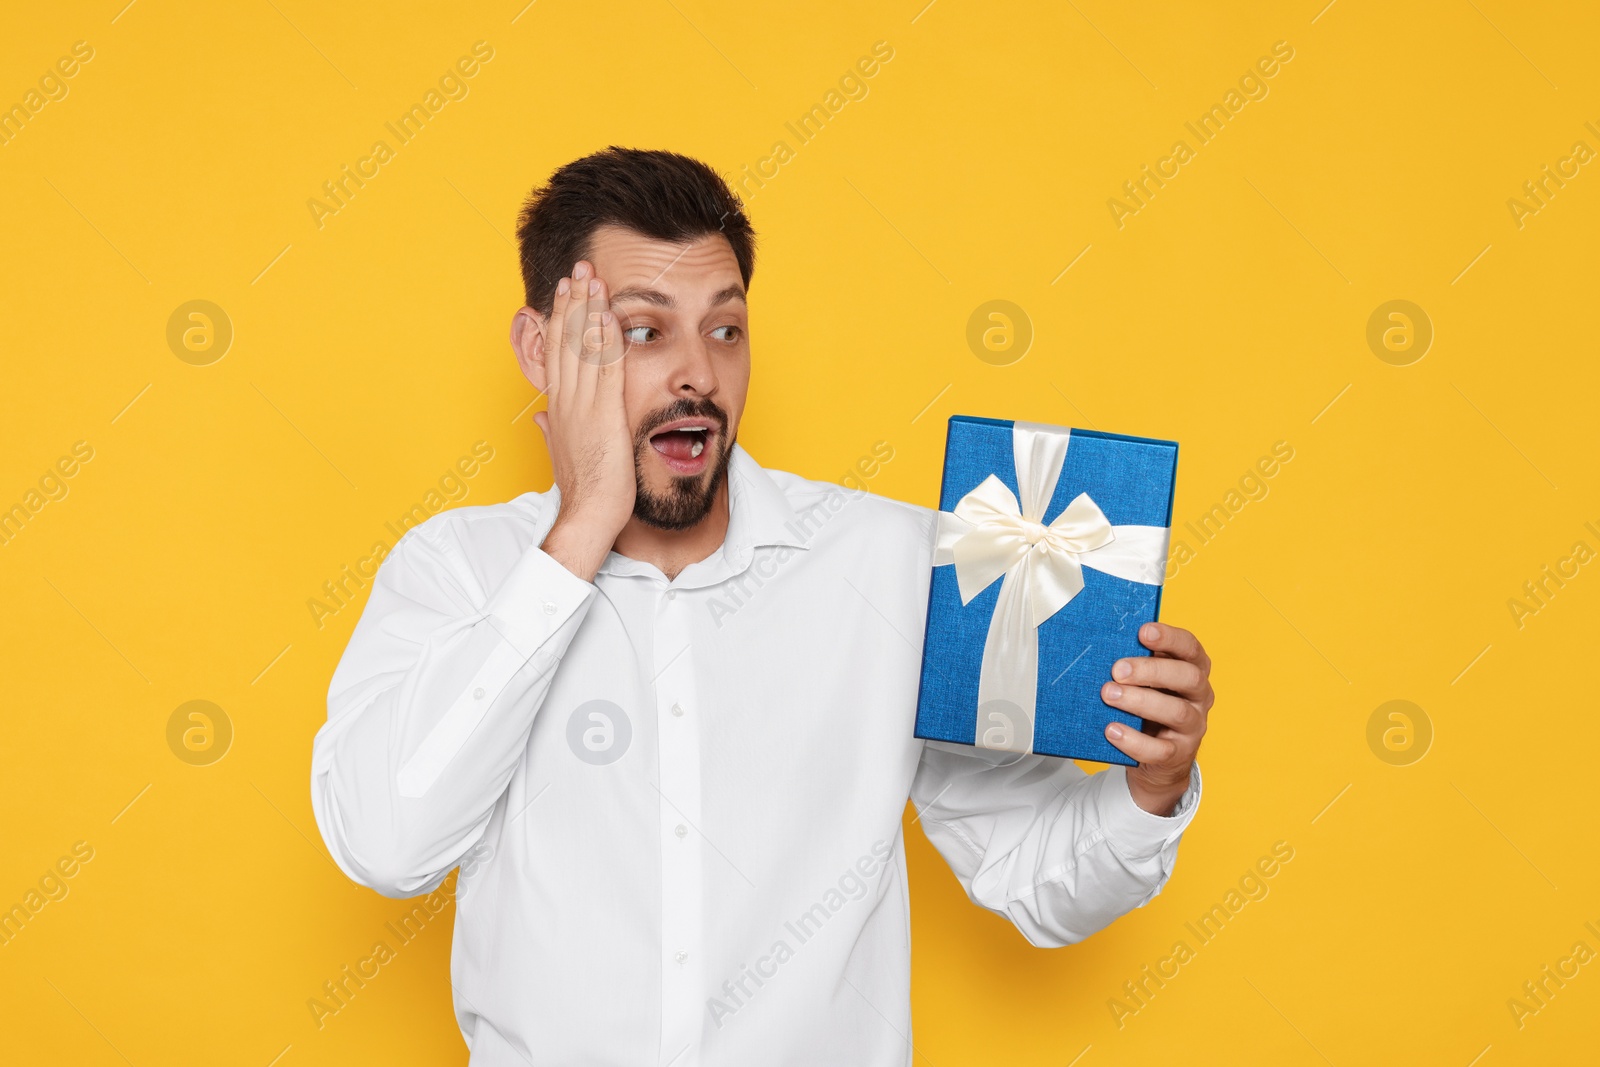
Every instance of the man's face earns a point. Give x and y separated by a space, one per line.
686 365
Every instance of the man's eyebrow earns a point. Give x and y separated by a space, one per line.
644 295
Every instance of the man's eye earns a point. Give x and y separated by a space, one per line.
634 335
732 333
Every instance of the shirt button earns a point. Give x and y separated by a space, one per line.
680 955
672 594
549 608
677 709
477 693
681 830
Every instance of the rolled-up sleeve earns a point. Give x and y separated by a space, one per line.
431 707
1058 851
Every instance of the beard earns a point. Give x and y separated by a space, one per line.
687 499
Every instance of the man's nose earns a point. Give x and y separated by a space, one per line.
696 372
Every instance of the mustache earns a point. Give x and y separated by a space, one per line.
683 408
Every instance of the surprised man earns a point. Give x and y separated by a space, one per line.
661 714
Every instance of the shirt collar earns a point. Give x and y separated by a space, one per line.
759 515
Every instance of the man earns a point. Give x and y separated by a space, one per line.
661 715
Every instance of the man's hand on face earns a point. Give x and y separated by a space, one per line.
1171 691
585 426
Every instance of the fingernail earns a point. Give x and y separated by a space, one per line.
1114 691
1152 631
594 286
605 317
1122 669
1114 732
581 271
562 286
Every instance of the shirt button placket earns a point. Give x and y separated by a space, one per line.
682 890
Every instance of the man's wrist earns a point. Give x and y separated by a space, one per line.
577 547
1158 798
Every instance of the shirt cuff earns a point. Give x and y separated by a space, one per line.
535 599
1133 832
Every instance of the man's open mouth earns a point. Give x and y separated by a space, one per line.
683 444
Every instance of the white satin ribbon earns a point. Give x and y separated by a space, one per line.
990 535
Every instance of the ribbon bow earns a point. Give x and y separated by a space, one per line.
999 536
991 535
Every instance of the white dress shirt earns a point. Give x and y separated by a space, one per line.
677 804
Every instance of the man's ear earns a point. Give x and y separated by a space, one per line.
527 341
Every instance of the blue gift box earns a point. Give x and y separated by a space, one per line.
1131 481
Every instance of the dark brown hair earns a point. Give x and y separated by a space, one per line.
662 195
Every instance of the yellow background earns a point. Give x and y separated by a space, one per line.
1229 313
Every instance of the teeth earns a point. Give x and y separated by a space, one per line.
697 448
